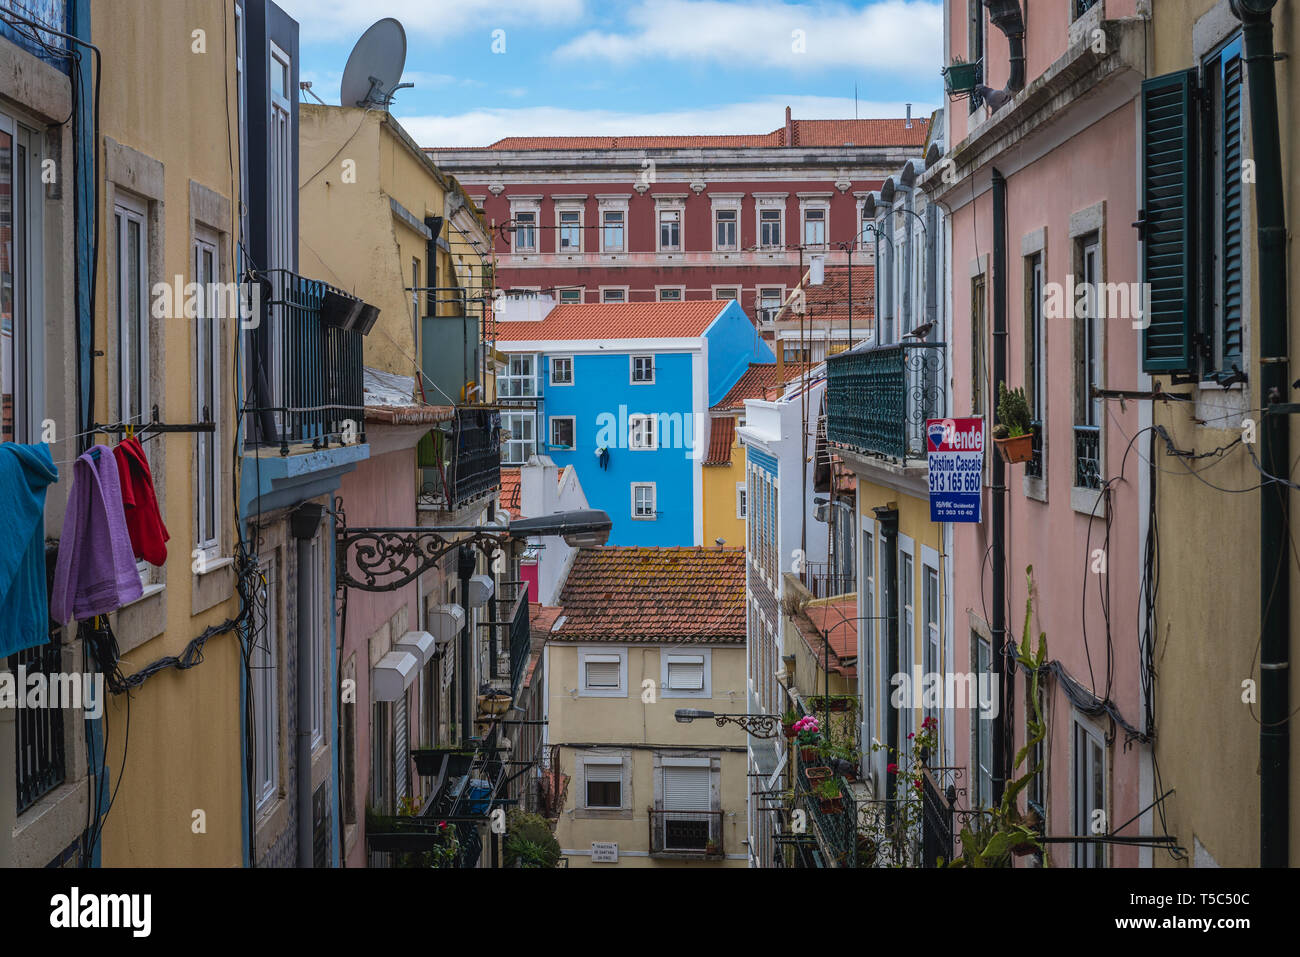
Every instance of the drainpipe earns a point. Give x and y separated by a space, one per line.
1006 16
303 524
999 623
888 518
1256 17
464 569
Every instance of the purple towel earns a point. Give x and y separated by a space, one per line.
96 570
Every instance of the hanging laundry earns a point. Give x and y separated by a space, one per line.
96 571
25 472
143 520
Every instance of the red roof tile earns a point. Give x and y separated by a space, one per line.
722 436
825 618
683 594
542 617
758 382
830 300
510 491
618 320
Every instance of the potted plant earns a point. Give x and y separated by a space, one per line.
816 774
808 736
787 723
829 796
428 761
961 77
1013 435
493 702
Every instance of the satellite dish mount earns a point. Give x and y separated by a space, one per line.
372 76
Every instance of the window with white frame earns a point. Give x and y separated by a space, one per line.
561 370
671 294
741 491
613 227
570 223
520 442
906 634
931 652
1088 366
686 673
266 670
982 732
602 783
1088 800
602 672
520 378
686 787
613 294
643 368
563 431
207 397
21 338
571 296
814 227
726 292
726 229
525 231
130 220
769 301
769 227
641 432
868 634
670 230
643 501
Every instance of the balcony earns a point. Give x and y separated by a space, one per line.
509 632
692 835
823 581
878 399
305 367
468 453
42 763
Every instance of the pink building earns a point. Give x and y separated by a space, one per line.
1041 183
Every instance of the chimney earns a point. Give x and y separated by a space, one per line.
909 117
789 128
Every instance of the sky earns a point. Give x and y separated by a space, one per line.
484 69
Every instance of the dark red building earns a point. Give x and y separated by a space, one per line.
616 219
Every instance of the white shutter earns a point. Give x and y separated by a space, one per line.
602 674
686 673
604 772
686 788
401 759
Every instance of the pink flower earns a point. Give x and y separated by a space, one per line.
917 785
892 769
910 736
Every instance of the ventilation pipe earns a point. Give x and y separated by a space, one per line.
1006 16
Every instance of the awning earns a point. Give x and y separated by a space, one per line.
419 643
392 676
480 590
445 622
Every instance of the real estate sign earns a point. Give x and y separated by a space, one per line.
955 450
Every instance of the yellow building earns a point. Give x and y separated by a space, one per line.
640 634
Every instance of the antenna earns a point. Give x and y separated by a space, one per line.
375 66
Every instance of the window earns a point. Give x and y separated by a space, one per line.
381 757
603 783
562 370
931 636
1089 794
725 228
266 669
520 378
21 338
571 296
1087 344
1193 254
670 230
603 672
319 656
521 443
643 501
570 231
726 292
741 491
671 294
979 335
612 222
975 42
685 784
641 432
207 399
1036 356
906 637
613 295
769 302
982 733
814 226
643 368
867 641
132 249
562 432
769 228
526 231
686 674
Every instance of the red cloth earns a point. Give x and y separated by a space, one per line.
143 521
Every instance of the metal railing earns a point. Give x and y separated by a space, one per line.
822 582
471 459
42 762
686 832
836 830
1034 467
1087 456
306 385
936 820
878 399
1083 6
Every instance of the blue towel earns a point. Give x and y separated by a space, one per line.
25 472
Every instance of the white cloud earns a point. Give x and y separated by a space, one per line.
483 126
887 35
344 20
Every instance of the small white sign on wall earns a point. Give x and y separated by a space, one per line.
604 852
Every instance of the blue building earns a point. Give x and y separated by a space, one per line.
622 392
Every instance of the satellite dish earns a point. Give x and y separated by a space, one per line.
375 66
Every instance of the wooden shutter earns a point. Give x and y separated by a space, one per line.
1169 214
1233 267
686 788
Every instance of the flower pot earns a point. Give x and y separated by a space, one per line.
788 729
809 753
428 761
817 772
1020 448
831 805
494 704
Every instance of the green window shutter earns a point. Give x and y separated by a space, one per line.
1169 204
1233 266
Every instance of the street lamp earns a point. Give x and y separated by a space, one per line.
758 725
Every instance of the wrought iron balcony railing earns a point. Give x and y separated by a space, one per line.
836 830
824 582
305 382
469 457
41 764
689 833
1034 467
878 399
1087 456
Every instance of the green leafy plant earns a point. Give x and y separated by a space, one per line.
1013 411
896 834
530 842
1004 830
827 790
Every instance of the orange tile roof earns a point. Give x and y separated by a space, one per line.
510 491
617 320
681 594
722 436
542 617
826 133
757 382
825 618
830 300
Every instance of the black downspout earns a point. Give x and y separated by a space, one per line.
1256 17
888 518
999 624
465 568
